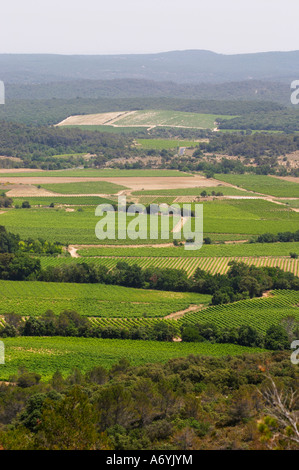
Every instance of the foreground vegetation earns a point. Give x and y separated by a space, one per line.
188 403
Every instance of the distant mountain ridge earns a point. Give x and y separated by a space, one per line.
191 66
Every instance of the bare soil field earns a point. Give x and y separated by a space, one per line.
292 179
17 170
27 190
93 119
133 183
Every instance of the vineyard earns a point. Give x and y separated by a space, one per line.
91 187
47 355
231 219
189 264
96 300
262 184
259 313
225 190
63 200
237 249
95 173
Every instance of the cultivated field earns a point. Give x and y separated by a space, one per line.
147 118
35 298
47 355
231 219
214 265
260 313
263 184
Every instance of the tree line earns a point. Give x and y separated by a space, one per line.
71 324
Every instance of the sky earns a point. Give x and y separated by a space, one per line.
143 26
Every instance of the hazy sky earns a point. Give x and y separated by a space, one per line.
142 26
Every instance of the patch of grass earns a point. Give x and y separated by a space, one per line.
160 144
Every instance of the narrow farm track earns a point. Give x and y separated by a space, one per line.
176 315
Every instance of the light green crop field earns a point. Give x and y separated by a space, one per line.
76 227
47 355
63 200
35 298
219 250
291 202
90 187
262 184
169 119
94 173
167 144
109 129
260 313
248 217
225 190
227 219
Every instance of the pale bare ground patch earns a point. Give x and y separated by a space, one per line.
292 179
33 191
181 313
12 159
180 224
18 170
99 119
134 183
28 190
72 249
267 294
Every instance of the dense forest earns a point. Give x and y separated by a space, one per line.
34 144
252 146
51 111
280 120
